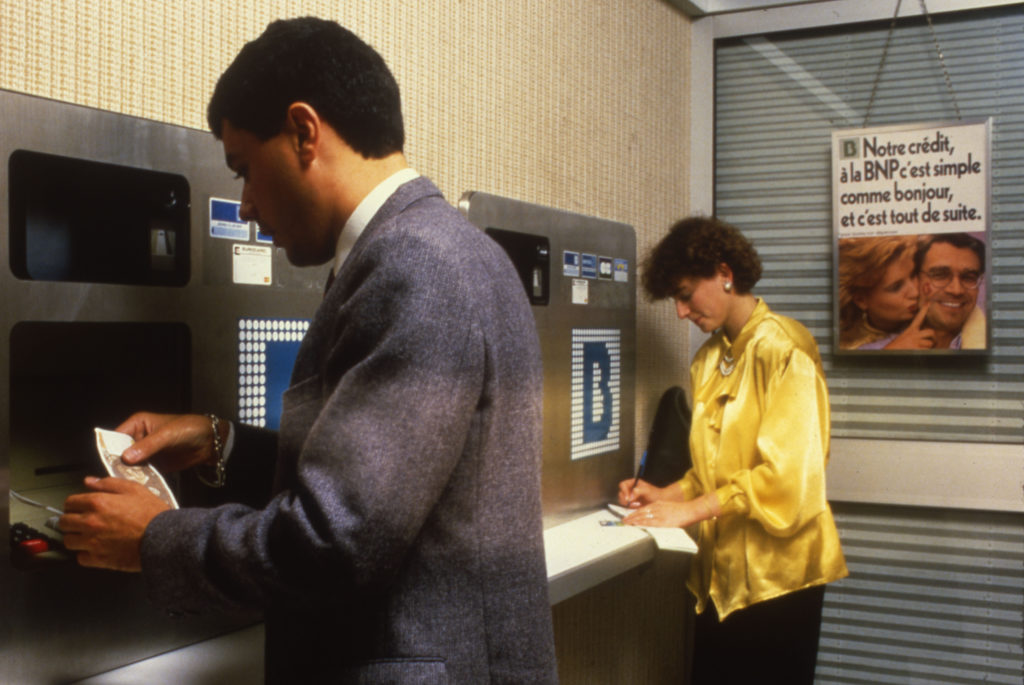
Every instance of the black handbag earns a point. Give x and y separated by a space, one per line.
668 445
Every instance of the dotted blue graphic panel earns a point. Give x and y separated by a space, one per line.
596 391
266 355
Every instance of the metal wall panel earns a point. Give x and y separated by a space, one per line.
933 597
580 473
78 340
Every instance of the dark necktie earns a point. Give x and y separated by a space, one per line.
330 280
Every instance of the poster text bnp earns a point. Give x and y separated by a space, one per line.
914 179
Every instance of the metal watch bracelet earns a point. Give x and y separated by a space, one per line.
217 479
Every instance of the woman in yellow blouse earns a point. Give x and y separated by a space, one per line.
759 442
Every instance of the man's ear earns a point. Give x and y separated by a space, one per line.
305 127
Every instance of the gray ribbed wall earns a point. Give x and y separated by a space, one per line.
934 596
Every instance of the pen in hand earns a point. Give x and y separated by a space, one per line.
639 474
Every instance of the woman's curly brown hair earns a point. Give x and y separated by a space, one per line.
695 247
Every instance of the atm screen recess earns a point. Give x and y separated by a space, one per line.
95 222
530 254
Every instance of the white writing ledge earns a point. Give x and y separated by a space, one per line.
581 554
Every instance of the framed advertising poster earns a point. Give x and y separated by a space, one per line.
910 211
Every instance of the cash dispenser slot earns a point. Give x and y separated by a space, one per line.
66 378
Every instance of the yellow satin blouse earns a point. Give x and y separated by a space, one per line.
760 440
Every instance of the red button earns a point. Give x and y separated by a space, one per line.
34 546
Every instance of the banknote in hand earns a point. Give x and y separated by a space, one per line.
110 445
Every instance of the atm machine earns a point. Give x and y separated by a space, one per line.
128 282
579 273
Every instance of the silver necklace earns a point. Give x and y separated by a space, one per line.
726 364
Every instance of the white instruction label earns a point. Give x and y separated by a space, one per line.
252 264
580 291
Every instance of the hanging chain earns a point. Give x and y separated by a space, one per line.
942 60
885 53
881 64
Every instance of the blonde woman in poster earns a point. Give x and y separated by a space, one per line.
879 293
759 441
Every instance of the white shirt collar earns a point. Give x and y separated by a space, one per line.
366 210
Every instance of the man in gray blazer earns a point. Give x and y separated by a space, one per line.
399 539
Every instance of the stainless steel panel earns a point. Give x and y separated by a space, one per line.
572 485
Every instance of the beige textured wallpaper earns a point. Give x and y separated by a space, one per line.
574 104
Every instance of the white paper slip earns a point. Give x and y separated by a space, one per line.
111 445
672 539
668 539
621 512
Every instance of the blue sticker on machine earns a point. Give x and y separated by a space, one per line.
571 264
622 271
266 354
588 266
225 222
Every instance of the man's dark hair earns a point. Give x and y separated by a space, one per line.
318 62
695 247
960 240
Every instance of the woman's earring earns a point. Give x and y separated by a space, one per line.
728 286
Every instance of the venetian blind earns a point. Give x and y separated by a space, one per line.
934 596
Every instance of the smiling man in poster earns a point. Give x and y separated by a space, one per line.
950 269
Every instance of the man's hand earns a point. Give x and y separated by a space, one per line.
174 442
105 526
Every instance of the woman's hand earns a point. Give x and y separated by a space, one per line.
669 514
915 336
645 493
